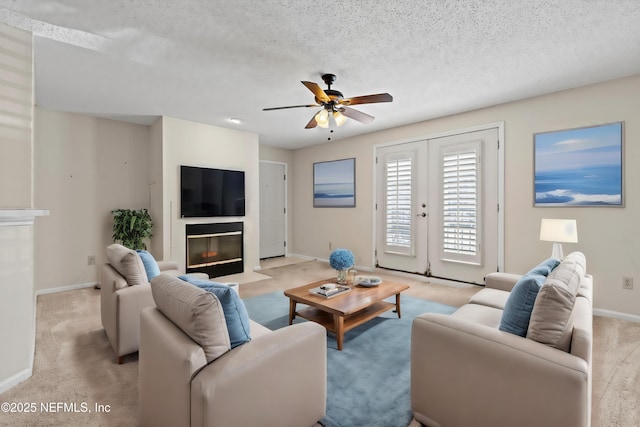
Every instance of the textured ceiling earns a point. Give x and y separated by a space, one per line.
208 61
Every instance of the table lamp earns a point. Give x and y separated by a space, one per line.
558 231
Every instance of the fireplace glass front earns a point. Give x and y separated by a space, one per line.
215 249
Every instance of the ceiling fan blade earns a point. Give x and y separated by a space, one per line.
356 115
312 123
291 106
317 91
367 99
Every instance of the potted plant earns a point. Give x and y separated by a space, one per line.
132 227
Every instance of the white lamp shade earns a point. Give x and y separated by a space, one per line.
339 118
322 119
559 230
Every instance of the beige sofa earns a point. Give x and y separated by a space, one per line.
189 376
465 371
124 292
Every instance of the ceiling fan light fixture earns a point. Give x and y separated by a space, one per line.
339 118
322 119
332 101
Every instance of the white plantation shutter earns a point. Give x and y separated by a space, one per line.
398 202
16 116
461 225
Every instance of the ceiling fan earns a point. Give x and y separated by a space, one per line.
335 105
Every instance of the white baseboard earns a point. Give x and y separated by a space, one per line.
616 315
368 269
309 258
14 380
66 288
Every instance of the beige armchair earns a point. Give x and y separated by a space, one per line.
189 376
124 292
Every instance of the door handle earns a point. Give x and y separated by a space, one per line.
423 214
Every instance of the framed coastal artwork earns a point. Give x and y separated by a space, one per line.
334 184
579 167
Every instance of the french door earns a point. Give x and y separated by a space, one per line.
401 207
437 206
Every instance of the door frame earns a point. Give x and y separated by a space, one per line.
501 207
286 202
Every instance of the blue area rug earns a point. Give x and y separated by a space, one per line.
368 381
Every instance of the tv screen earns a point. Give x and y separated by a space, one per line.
211 192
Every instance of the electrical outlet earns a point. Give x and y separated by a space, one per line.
91 260
627 283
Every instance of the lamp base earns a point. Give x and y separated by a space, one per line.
557 251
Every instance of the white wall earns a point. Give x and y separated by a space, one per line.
156 182
17 295
608 236
326 229
197 144
16 112
17 304
84 168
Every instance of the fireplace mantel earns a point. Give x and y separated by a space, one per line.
13 217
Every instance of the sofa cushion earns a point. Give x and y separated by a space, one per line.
545 267
479 314
127 262
196 312
257 330
580 260
235 312
151 266
495 298
550 322
517 309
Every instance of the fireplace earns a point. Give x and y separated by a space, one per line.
215 249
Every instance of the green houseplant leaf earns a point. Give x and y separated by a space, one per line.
132 227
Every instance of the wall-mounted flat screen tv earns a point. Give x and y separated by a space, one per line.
206 192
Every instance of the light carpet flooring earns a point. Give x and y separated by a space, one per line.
74 363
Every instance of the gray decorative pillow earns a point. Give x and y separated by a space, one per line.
196 312
128 263
551 317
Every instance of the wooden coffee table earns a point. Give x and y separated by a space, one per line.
346 311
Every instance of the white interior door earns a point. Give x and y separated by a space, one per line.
463 205
272 209
401 202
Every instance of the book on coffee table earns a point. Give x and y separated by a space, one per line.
329 292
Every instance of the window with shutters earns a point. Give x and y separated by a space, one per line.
461 203
398 202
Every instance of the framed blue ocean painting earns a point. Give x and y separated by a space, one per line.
579 167
334 184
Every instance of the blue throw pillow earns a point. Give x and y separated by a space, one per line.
194 280
517 309
545 267
235 313
150 264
